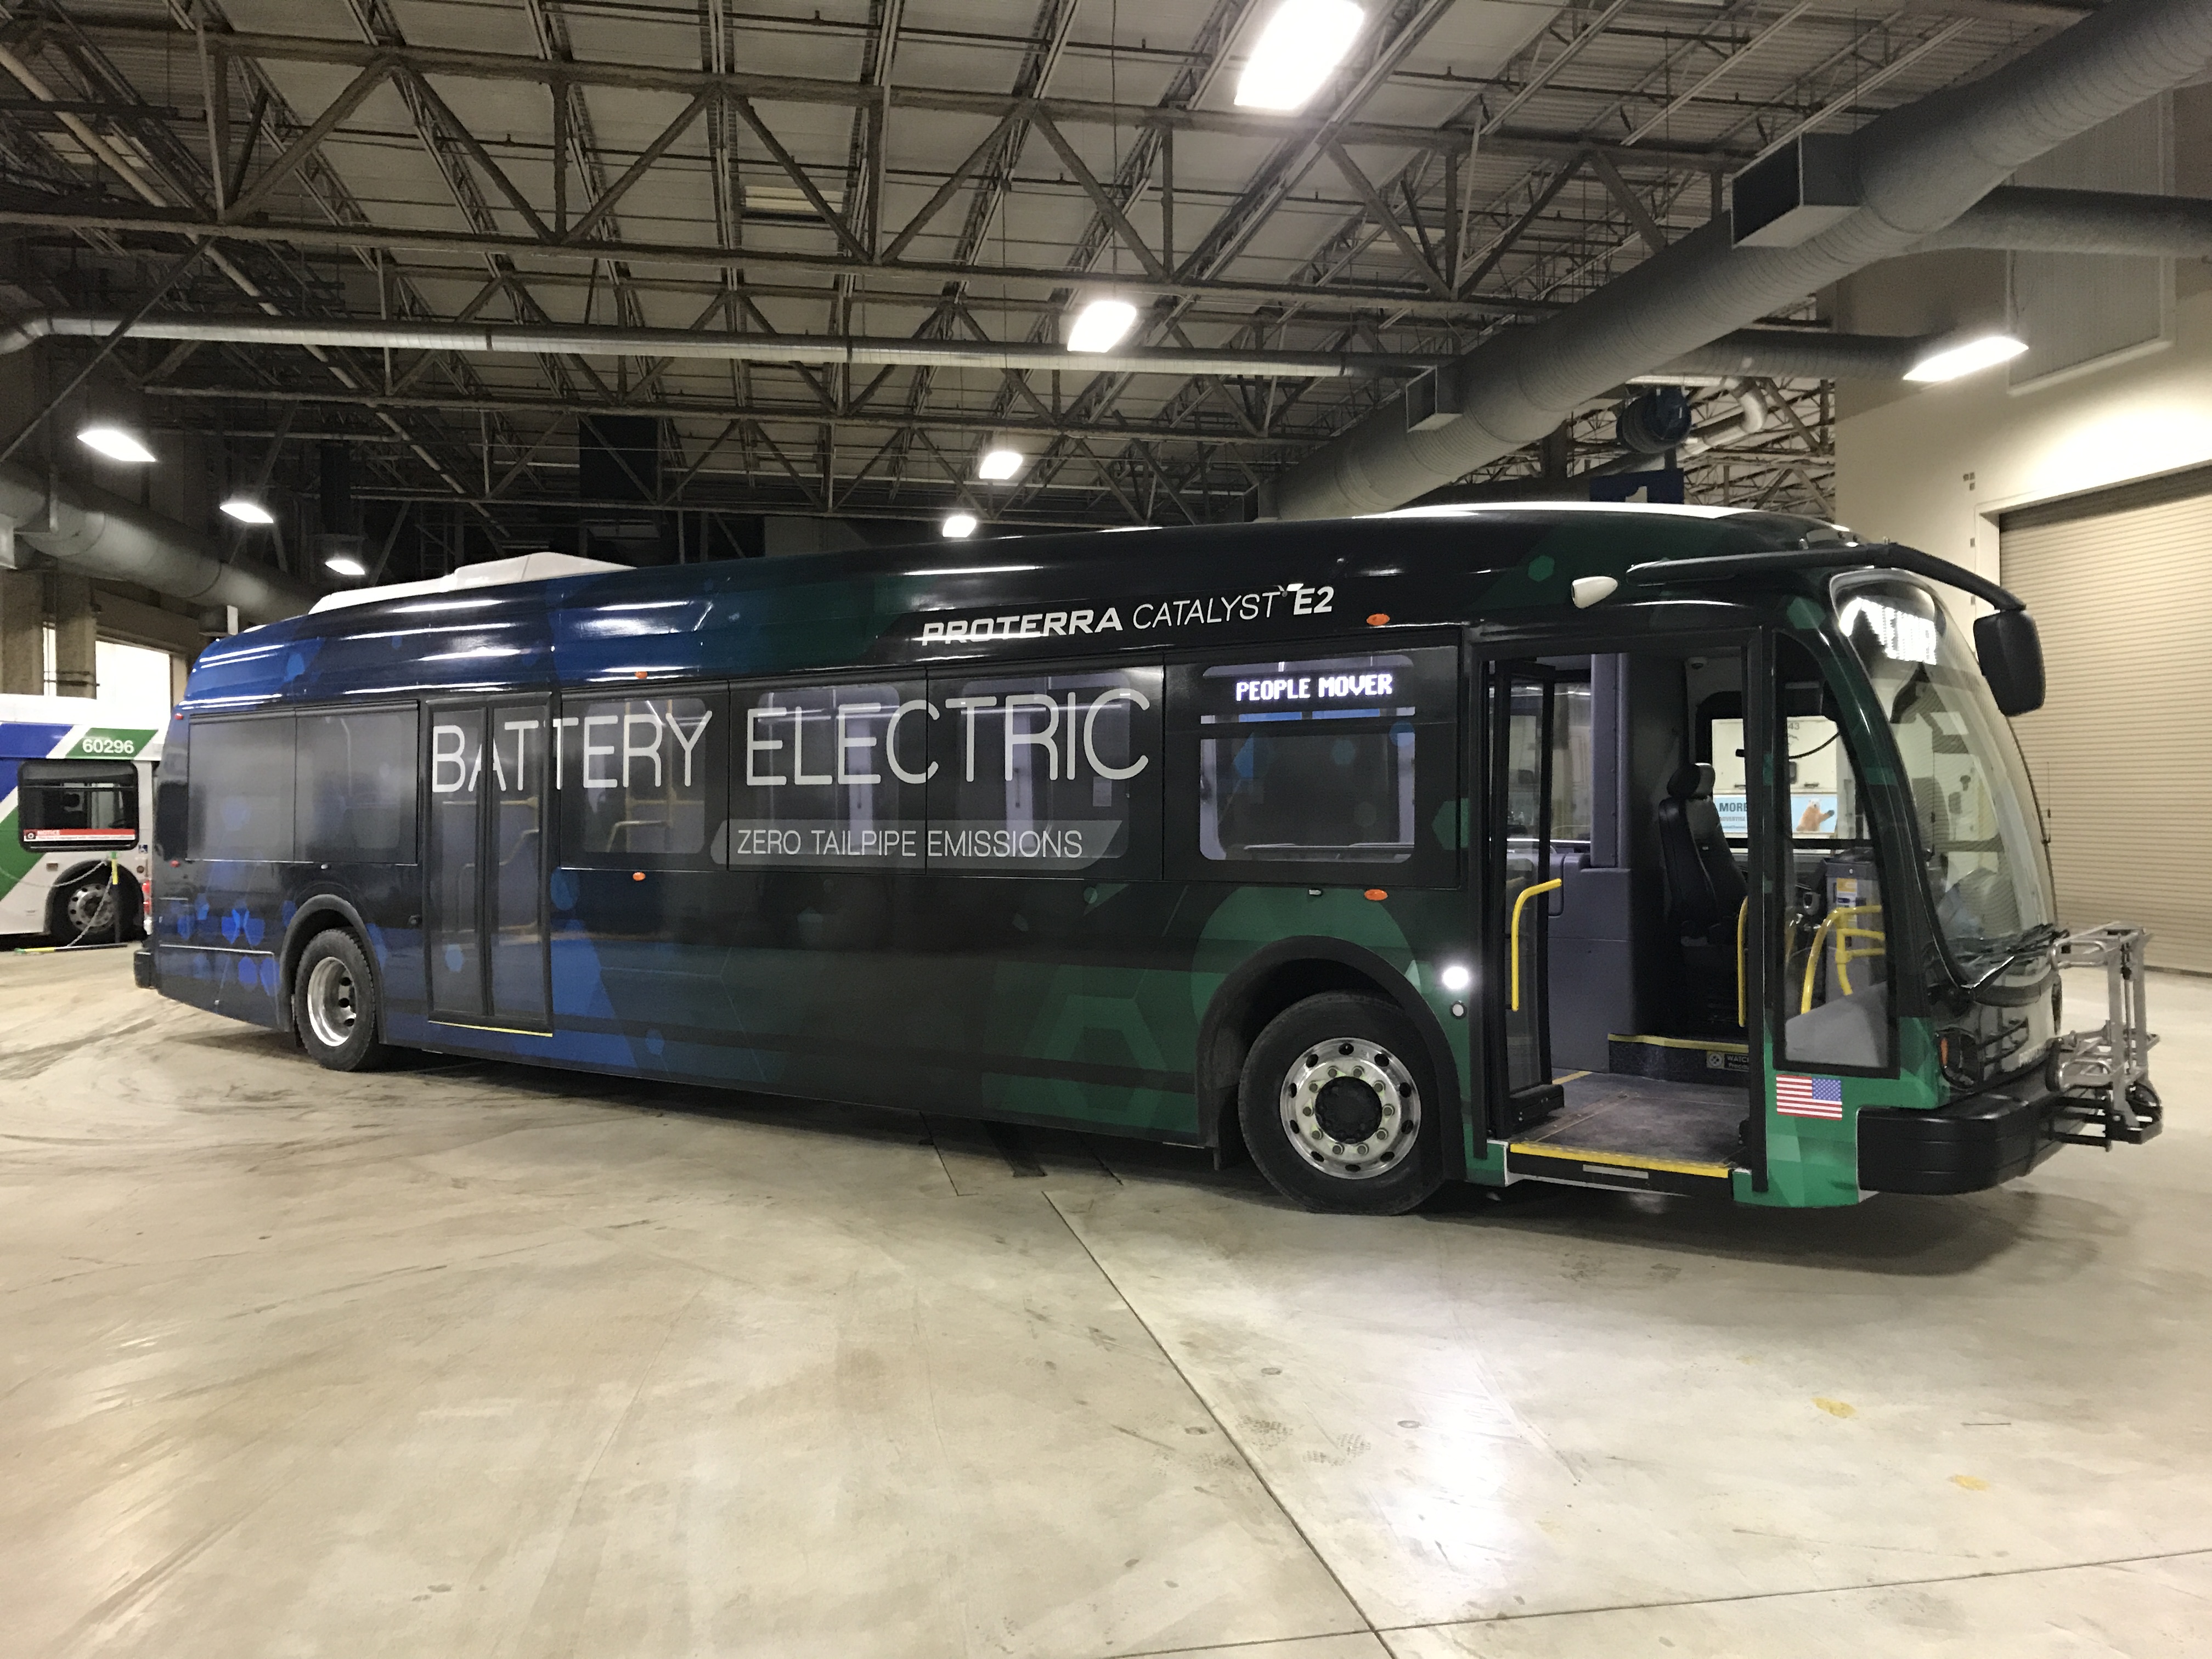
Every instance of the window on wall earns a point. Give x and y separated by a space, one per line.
1335 764
241 801
641 779
355 787
1045 773
830 776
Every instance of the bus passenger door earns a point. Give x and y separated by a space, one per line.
1520 706
484 863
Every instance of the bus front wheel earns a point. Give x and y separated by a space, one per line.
1339 1108
334 1004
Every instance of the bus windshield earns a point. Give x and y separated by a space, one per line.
1981 844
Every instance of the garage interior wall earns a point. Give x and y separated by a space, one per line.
1935 467
2121 587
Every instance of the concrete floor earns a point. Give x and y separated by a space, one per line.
469 1360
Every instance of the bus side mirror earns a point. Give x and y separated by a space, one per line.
2011 655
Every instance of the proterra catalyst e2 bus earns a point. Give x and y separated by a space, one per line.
1675 850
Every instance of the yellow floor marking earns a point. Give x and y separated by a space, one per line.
1682 1043
1835 1408
1970 1482
1620 1160
1569 1076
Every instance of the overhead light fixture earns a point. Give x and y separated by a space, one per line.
1100 325
957 524
247 510
998 464
344 564
1299 49
1948 363
116 444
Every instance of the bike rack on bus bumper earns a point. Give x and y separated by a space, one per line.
2102 1074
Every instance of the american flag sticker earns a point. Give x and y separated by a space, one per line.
1808 1096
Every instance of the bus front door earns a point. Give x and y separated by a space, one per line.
484 863
1521 702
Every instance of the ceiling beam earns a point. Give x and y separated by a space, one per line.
877 420
300 233
805 89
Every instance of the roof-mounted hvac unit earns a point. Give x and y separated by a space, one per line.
1793 195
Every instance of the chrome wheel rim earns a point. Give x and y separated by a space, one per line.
1351 1108
331 1004
90 907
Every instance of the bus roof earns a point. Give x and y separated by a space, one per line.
1077 594
52 728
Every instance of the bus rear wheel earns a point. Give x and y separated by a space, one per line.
1339 1108
335 1004
84 912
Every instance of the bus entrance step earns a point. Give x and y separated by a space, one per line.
1625 1171
1677 1060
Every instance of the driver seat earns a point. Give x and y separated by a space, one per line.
1704 889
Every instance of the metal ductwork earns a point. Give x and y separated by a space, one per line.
1915 171
2026 220
1790 353
90 533
857 351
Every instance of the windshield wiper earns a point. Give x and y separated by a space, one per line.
2035 941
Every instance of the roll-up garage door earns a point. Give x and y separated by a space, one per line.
2122 749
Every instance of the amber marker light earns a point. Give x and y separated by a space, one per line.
1378 619
1376 893
637 875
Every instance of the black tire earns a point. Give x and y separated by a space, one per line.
338 1004
82 910
1343 1064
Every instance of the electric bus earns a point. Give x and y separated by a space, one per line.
1677 850
76 794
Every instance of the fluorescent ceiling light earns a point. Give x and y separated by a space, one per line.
1949 363
343 564
1100 325
957 524
247 510
997 463
1299 49
116 444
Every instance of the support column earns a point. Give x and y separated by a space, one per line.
76 635
22 632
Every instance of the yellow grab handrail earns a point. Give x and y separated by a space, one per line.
1742 911
1844 931
1514 946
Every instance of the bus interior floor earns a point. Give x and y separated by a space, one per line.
1611 1113
480 1362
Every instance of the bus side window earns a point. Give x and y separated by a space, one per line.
357 786
1319 769
827 777
91 806
171 779
241 788
1045 773
642 780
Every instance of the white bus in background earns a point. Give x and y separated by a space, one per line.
76 812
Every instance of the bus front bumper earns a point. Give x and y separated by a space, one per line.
1980 1141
